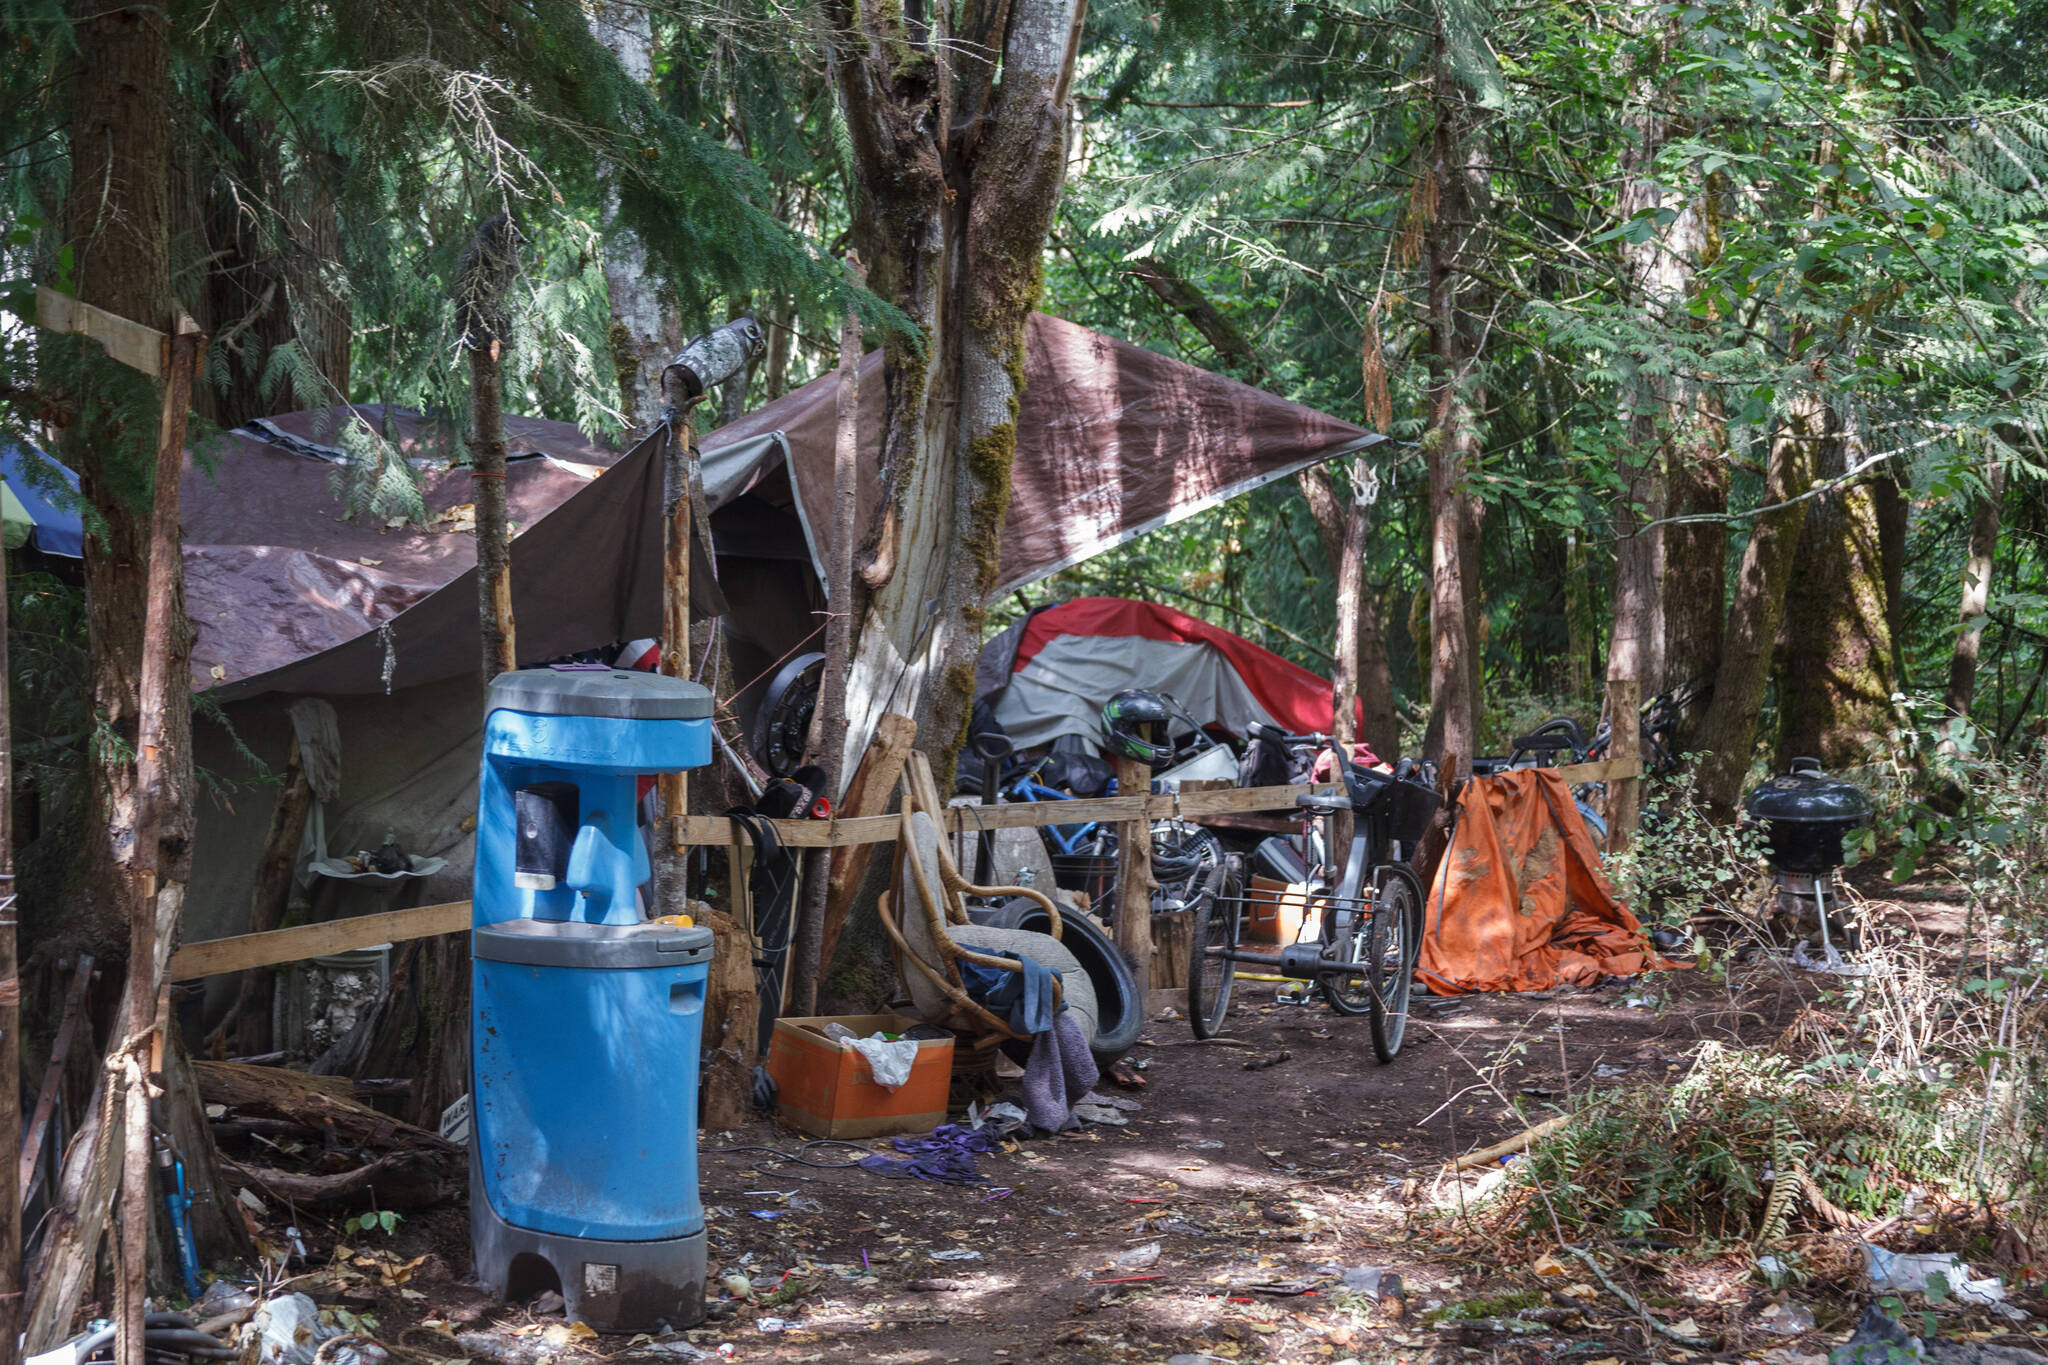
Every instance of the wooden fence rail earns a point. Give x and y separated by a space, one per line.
279 946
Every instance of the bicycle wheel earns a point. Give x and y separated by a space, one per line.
1394 942
1346 939
1212 977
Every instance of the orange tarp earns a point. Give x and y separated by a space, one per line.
1519 902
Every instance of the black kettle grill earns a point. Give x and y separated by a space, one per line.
1805 816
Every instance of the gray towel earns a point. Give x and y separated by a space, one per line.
1059 1072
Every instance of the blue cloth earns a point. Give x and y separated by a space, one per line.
946 1155
1026 994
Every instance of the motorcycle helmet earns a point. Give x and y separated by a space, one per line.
1136 722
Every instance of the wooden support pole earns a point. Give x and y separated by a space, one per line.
158 897
483 286
1134 883
1624 795
827 740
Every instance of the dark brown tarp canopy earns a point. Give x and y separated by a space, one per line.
288 593
1113 441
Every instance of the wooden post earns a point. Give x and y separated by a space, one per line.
482 289
1134 878
675 591
10 1018
1624 796
827 740
158 892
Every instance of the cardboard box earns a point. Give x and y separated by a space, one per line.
1278 912
825 1088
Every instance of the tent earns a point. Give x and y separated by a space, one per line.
291 597
1519 902
1048 674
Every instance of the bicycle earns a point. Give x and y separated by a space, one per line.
1370 922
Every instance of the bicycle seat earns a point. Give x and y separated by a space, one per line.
1323 801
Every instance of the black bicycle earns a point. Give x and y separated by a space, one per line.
1366 914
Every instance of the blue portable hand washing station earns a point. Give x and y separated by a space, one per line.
586 1016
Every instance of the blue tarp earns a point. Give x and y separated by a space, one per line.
56 530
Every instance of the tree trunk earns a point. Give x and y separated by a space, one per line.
1835 675
483 311
1695 558
1962 662
1458 186
647 328
10 1019
959 176
1727 734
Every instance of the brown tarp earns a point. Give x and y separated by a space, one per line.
1519 902
289 593
1113 441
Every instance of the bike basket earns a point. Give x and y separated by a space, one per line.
1087 872
1406 806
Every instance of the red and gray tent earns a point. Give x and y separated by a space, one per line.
1048 674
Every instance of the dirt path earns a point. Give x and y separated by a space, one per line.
1250 1182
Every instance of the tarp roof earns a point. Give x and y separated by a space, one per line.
1113 441
288 593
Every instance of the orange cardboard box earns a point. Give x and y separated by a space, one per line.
1277 912
825 1088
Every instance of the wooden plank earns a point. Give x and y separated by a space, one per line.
852 831
211 957
717 831
1607 770
138 347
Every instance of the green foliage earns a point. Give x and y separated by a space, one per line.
377 1220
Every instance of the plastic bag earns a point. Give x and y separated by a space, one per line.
891 1062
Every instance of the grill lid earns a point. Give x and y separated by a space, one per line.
1808 794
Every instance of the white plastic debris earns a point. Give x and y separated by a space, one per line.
1906 1273
957 1254
1364 1279
1784 1320
890 1061
288 1331
1137 1258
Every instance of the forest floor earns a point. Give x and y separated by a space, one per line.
1196 1229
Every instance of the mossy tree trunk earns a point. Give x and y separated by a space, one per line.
1727 735
959 172
1835 645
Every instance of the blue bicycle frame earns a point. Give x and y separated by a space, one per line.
1068 839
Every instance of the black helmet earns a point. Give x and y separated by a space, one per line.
1137 722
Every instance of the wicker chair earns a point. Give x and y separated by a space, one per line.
925 915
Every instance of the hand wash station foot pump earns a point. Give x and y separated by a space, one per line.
587 1016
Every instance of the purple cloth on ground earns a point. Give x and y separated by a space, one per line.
946 1154
1058 1073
